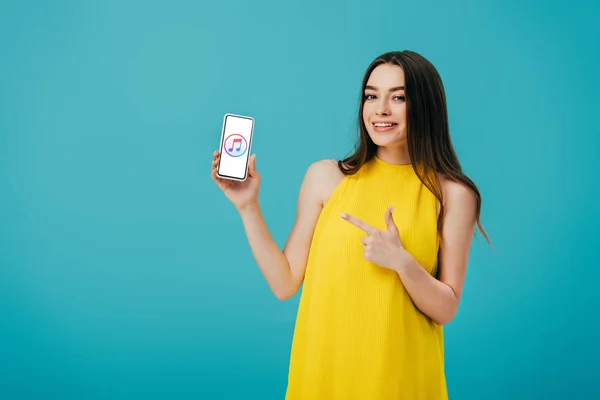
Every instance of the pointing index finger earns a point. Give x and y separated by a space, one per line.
358 223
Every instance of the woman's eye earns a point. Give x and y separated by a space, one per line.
372 96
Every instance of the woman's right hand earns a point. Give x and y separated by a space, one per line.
241 194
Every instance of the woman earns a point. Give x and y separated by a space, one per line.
381 242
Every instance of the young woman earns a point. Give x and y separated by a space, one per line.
381 244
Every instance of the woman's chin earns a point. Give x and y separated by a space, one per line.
382 139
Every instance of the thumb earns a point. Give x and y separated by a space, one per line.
252 165
389 219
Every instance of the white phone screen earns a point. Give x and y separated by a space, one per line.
236 141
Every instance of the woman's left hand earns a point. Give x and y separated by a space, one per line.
383 248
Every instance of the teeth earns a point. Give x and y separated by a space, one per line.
383 125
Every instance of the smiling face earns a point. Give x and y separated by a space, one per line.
384 107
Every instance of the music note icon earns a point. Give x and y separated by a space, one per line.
234 142
235 145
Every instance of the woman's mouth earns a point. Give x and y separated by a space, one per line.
384 126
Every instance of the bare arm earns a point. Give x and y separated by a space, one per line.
439 299
284 270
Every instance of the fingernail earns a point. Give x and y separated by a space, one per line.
344 215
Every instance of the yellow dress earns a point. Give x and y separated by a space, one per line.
358 334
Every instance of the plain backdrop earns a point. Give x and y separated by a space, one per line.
124 271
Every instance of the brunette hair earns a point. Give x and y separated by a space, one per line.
428 136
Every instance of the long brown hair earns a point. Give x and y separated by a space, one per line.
428 136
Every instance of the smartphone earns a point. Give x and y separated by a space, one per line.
236 142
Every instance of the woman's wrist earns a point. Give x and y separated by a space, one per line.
249 208
402 260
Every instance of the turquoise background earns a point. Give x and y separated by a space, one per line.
125 273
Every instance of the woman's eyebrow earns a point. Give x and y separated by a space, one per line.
391 90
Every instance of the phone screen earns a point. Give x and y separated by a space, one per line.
236 140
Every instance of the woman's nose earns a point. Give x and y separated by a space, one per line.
383 111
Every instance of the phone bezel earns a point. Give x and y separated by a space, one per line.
235 178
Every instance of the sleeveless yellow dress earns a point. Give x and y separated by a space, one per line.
358 334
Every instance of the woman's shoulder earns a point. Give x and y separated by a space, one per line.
454 190
325 176
328 166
